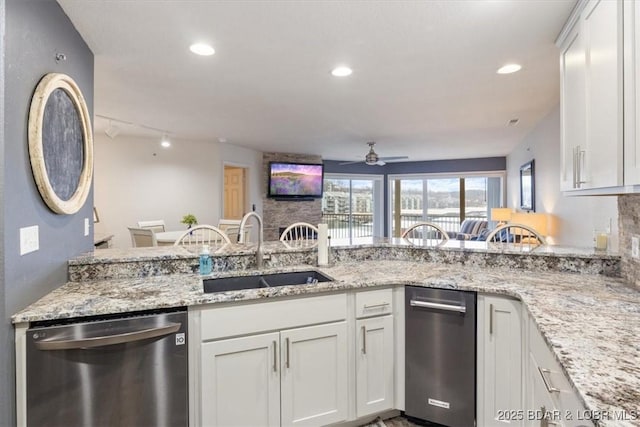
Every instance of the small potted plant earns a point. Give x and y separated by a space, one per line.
190 220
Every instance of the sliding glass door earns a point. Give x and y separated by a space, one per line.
352 206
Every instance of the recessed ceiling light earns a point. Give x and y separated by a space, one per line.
165 141
222 139
202 49
509 68
341 71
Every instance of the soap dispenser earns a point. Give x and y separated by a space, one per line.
205 260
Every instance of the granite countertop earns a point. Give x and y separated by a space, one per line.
589 321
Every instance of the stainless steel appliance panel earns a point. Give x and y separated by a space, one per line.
440 356
115 372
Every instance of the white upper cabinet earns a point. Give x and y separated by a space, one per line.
591 79
632 93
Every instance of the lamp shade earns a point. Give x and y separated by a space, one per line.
501 214
537 221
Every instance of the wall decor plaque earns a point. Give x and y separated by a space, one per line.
61 143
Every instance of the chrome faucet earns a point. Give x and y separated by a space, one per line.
259 256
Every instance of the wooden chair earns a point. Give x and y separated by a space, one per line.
299 231
202 235
427 232
520 234
156 225
142 237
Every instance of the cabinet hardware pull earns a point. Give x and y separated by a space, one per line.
438 306
490 319
575 167
275 357
382 304
547 382
364 340
287 361
581 162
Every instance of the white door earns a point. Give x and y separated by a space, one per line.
241 381
314 375
501 361
374 365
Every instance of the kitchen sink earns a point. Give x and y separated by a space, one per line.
224 284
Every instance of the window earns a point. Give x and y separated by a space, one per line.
442 200
352 206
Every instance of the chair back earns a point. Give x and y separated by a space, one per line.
300 231
202 235
520 234
156 225
232 228
142 237
427 232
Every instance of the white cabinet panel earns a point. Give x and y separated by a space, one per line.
374 365
591 77
499 361
632 93
241 381
314 375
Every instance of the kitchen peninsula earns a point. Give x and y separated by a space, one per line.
587 315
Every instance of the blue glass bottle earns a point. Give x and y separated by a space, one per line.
205 261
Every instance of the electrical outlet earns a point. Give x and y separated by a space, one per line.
86 226
635 247
29 240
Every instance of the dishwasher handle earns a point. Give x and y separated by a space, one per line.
107 340
438 306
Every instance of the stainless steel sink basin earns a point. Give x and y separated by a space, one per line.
239 283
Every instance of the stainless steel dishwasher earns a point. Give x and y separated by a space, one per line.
440 369
114 371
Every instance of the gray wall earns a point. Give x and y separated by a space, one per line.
485 164
34 32
5 331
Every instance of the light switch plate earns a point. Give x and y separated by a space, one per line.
635 247
86 226
29 240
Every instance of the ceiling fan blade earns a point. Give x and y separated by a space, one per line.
393 158
351 163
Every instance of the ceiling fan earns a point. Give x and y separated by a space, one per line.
372 157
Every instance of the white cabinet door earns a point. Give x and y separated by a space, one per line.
602 33
314 375
573 111
374 365
631 93
591 93
499 361
241 381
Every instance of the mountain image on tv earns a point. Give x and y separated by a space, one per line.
295 180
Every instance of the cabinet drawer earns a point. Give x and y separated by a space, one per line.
548 369
232 320
374 303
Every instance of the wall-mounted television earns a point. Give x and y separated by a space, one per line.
295 181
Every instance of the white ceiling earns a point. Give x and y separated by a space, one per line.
424 81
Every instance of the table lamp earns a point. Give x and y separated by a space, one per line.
537 221
501 215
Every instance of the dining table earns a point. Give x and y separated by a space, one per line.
168 238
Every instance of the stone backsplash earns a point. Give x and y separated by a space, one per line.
629 225
280 214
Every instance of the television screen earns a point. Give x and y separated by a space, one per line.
295 180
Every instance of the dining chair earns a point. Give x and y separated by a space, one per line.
142 237
156 225
299 231
520 234
231 227
202 235
427 232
